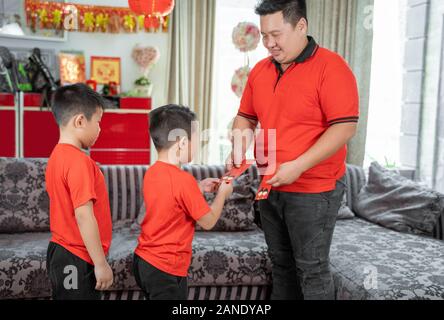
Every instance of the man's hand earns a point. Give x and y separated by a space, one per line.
287 174
104 276
209 185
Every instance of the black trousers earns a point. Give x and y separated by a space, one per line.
158 285
71 277
299 229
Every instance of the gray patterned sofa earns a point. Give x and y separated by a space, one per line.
368 261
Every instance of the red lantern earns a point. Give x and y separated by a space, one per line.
152 7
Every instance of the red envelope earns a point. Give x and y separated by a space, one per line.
264 189
237 172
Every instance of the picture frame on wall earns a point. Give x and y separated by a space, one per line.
72 67
105 70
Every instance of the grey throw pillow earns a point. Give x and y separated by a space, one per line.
238 212
397 203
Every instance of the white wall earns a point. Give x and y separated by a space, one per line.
112 45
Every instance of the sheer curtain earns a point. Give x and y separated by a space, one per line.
345 26
191 59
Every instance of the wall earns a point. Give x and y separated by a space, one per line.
121 45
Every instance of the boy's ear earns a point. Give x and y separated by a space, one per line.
79 121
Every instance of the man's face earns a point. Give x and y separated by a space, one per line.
283 41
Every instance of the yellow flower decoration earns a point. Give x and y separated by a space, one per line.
57 17
89 20
43 15
102 21
129 23
141 20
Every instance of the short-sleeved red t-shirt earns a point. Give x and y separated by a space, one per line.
72 180
173 203
317 91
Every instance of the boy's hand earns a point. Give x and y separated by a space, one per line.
226 189
104 276
209 185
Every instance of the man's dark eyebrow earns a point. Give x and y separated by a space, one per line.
272 31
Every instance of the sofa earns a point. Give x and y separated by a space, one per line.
368 261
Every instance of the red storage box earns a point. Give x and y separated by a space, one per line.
33 100
136 103
6 100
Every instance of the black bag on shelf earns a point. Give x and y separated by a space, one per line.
42 80
8 72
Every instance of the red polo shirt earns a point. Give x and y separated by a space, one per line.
317 91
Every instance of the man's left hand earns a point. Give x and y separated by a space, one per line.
287 174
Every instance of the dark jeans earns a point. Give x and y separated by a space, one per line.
158 285
71 277
299 229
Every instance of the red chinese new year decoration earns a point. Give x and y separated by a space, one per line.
91 18
152 7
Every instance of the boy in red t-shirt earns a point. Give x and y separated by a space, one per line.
174 203
80 217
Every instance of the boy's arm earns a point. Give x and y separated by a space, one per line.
89 231
208 221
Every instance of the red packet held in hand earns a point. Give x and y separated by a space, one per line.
237 172
264 189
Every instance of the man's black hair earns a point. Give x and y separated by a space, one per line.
75 99
165 119
292 10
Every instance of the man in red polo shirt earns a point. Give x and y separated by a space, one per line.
308 95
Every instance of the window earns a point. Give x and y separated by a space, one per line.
228 59
384 122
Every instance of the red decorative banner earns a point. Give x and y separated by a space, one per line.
90 18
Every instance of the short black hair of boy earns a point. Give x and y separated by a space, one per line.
293 10
165 119
71 100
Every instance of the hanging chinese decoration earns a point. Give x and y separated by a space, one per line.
104 19
246 37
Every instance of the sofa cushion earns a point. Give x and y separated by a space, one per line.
23 266
230 258
395 202
24 203
372 262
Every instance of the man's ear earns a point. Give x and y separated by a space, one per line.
79 121
302 25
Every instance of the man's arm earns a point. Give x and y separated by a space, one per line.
89 231
330 142
242 137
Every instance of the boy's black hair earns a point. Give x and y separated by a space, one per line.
293 10
165 119
75 99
